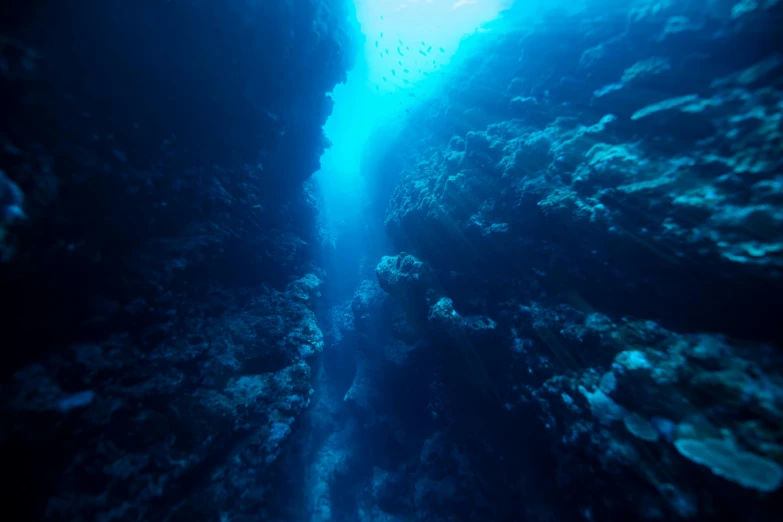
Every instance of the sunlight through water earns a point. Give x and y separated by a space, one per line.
408 45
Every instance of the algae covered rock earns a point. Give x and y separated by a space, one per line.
404 275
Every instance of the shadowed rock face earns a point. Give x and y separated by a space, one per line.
158 244
596 197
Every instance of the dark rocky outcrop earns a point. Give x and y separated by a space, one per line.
160 250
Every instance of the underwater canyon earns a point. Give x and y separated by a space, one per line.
529 270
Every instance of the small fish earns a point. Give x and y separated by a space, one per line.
405 70
381 35
422 43
433 62
407 48
376 43
412 95
423 53
429 48
442 50
399 52
381 55
394 73
387 51
381 17
384 79
399 41
406 82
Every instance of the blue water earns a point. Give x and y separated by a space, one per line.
376 260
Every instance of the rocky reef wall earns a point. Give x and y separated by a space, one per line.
586 268
160 250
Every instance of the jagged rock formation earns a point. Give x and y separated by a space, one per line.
589 221
159 250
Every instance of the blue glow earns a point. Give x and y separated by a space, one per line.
417 35
408 45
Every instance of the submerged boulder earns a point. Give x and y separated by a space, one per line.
404 276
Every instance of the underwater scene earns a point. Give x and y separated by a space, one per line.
391 260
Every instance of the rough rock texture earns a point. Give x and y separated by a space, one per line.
159 250
589 220
677 176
